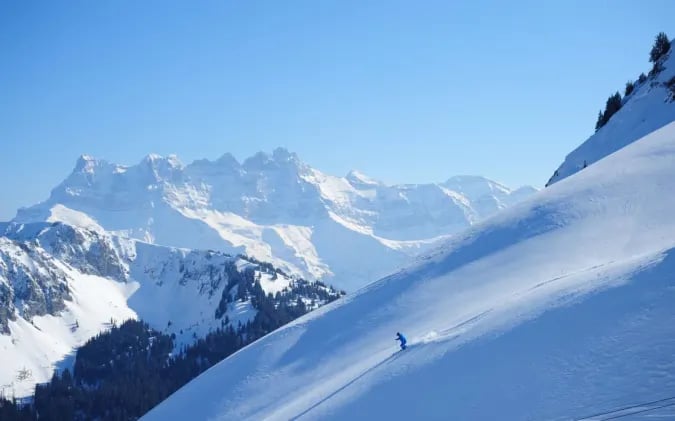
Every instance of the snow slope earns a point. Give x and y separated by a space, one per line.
32 349
557 308
60 285
649 107
275 208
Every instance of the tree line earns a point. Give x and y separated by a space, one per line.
121 374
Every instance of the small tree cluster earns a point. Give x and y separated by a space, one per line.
660 48
13 410
612 105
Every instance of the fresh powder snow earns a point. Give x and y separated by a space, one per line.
557 308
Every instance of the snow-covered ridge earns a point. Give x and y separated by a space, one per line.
62 284
273 207
572 289
650 106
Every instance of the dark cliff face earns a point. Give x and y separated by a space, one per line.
32 257
30 283
88 251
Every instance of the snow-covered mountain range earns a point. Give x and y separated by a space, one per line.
275 208
557 308
62 284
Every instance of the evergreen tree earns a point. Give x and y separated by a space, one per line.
629 88
600 122
660 48
612 105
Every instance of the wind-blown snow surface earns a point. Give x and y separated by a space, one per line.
557 308
275 208
650 106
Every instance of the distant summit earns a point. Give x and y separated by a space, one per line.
274 207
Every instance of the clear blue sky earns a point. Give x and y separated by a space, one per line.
406 91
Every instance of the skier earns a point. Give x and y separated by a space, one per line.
400 337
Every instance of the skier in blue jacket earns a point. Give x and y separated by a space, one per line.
400 337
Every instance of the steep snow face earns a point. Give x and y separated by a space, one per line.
47 309
273 207
557 308
650 106
60 285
